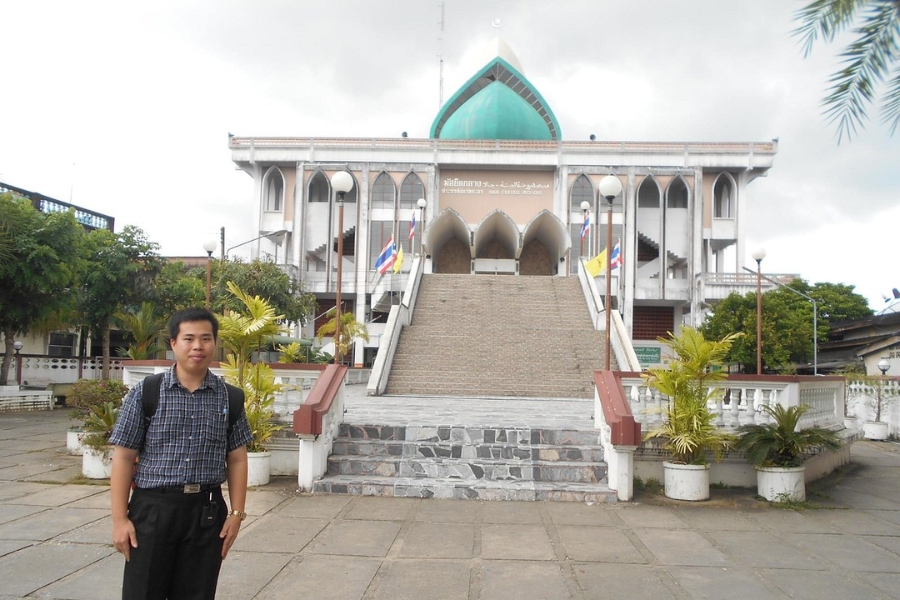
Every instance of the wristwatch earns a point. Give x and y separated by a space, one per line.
239 514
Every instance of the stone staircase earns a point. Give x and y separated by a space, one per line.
490 397
496 335
467 463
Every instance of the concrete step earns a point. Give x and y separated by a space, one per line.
479 489
536 452
437 467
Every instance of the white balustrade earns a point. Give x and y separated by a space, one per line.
742 402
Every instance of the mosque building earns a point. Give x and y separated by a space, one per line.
504 193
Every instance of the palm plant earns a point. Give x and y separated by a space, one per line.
146 327
780 443
242 334
869 59
689 381
99 426
351 329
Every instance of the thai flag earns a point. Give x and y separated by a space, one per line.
615 260
586 227
412 227
387 257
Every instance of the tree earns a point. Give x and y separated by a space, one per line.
787 327
177 287
41 265
868 60
263 279
121 269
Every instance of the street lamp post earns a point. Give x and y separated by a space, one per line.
341 183
883 365
585 207
815 306
758 256
609 188
17 346
210 248
421 204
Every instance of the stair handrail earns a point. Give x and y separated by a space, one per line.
400 316
620 341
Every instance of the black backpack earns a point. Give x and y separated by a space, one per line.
150 400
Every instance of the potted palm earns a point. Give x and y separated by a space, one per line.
96 460
778 450
84 397
688 432
243 334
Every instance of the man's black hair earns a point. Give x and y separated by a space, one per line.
189 315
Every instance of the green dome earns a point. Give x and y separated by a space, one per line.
497 103
495 113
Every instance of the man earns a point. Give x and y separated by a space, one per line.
176 530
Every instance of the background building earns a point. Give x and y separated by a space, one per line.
504 193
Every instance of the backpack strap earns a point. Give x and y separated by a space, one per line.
150 400
150 396
235 405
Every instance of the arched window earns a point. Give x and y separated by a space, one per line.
384 192
273 190
581 190
723 196
411 190
318 188
677 194
648 193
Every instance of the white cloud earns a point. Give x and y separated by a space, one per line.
141 97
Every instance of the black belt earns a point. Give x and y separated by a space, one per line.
188 488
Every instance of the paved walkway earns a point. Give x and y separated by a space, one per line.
54 539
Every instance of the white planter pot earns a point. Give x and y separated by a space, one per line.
875 430
777 484
258 468
850 423
96 464
686 482
73 442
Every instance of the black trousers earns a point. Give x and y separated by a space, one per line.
178 556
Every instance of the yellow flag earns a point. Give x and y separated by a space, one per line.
596 265
399 262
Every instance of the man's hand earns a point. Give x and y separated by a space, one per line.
123 534
229 533
124 537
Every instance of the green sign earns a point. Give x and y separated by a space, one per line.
648 355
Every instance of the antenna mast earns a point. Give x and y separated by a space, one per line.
441 57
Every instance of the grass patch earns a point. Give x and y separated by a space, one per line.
651 486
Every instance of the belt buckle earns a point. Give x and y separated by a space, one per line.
192 488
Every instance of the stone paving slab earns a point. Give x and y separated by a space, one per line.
41 527
35 567
814 585
320 573
517 579
421 580
438 540
683 548
54 542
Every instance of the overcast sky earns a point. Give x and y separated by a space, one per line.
125 108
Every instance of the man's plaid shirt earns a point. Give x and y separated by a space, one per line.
186 440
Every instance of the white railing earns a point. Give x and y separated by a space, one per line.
743 401
39 370
620 341
400 316
296 384
862 395
13 398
